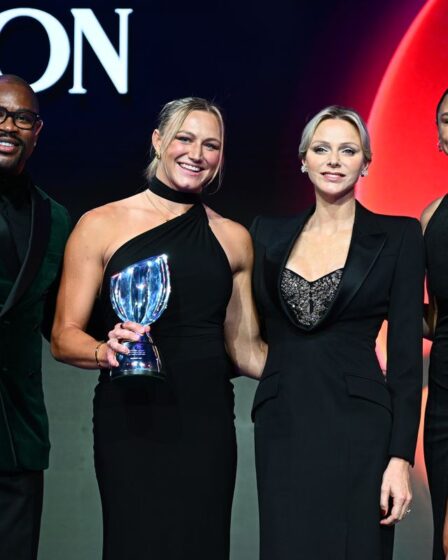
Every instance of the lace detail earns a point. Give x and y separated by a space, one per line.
309 301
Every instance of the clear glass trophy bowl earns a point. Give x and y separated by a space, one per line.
140 293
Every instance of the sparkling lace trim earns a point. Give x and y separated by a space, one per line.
309 301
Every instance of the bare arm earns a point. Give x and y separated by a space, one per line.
80 283
241 328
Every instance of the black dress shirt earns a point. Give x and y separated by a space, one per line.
15 221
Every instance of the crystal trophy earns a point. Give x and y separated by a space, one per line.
140 293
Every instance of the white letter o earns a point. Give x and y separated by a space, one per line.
59 44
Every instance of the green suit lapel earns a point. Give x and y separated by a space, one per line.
40 235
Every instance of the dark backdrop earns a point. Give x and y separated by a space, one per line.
270 65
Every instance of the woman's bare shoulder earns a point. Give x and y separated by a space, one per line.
230 227
110 212
97 228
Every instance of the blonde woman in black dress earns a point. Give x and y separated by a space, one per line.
335 437
435 225
165 452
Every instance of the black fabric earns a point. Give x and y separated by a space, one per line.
160 189
165 451
326 418
8 252
436 418
15 220
15 200
21 497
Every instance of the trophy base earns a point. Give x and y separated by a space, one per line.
116 373
143 360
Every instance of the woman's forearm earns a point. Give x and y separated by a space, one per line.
73 346
249 356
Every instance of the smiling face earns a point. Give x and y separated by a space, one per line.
192 159
442 125
16 144
335 159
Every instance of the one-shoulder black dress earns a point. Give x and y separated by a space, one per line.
436 420
165 451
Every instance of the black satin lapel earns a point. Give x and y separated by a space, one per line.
283 251
368 240
40 235
364 251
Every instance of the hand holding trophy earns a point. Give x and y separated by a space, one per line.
140 293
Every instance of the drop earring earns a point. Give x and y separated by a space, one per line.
439 145
364 172
304 168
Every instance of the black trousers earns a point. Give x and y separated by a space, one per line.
21 497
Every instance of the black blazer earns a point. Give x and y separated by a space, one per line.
382 279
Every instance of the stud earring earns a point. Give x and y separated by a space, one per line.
304 168
439 145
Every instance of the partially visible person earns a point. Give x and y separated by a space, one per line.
165 451
334 437
435 226
33 230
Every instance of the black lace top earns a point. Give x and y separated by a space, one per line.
309 301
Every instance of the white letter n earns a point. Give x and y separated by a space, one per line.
115 64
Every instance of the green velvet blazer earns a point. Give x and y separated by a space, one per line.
24 442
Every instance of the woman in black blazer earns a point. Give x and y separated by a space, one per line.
334 436
434 223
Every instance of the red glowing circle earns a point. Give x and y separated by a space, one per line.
408 171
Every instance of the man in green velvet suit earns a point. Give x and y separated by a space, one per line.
33 231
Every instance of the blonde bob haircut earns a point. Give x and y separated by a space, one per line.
336 112
170 121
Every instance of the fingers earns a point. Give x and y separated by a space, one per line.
117 346
111 357
384 501
395 513
406 506
398 513
127 330
134 327
400 505
407 499
396 494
